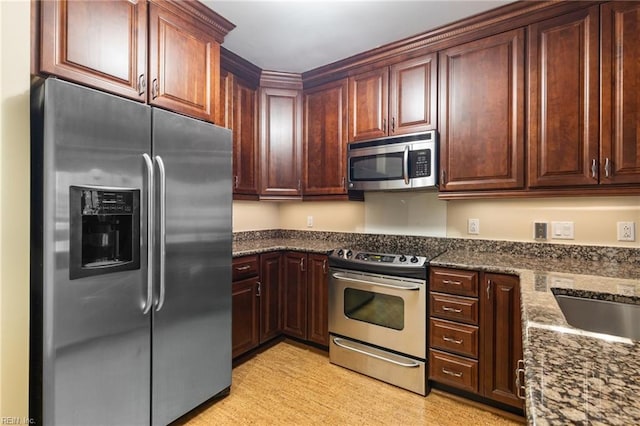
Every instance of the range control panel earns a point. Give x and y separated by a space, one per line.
398 260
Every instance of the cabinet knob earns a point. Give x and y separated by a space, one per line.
594 168
607 167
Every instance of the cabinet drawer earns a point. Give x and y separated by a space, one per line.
450 336
243 267
455 308
453 370
454 281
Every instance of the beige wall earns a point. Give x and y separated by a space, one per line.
416 213
14 208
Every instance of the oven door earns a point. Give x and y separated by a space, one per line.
382 310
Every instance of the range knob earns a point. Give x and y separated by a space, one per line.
340 252
414 259
349 253
402 258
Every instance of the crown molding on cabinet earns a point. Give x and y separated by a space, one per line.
201 12
240 67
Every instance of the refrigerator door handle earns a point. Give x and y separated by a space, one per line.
149 166
162 184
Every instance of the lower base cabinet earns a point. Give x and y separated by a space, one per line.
476 353
279 293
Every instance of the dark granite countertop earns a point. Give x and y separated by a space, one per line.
311 245
572 376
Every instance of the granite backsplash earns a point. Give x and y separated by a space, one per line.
419 244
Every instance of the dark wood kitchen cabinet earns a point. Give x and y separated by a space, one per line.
482 114
270 296
318 299
256 315
620 104
163 52
240 114
98 44
280 142
563 100
305 297
393 100
245 305
325 139
475 333
294 294
502 337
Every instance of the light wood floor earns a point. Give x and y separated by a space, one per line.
292 384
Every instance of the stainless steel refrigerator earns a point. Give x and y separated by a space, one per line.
131 260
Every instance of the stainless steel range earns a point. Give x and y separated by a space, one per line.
378 316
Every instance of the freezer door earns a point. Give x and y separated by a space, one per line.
192 318
90 347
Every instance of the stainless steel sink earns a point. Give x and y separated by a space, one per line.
601 316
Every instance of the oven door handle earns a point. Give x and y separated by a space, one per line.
337 341
340 276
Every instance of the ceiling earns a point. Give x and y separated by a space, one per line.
298 36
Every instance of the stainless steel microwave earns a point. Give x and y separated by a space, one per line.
394 163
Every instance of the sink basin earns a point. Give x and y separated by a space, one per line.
601 316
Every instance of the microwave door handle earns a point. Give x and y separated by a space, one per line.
405 166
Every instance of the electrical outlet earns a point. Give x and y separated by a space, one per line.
473 226
540 231
562 230
626 231
309 221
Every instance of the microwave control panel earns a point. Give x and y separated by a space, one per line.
420 163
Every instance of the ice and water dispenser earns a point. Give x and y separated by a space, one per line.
104 230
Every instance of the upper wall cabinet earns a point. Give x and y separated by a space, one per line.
99 44
325 139
620 109
280 142
165 52
482 114
563 100
393 100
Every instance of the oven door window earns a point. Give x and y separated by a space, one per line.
377 167
374 308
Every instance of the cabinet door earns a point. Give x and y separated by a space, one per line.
294 295
482 114
102 44
412 97
501 332
245 316
280 142
563 100
270 296
245 138
317 299
620 108
368 104
325 140
184 64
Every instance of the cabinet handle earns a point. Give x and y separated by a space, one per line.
393 125
594 168
607 167
243 268
384 125
519 384
154 89
302 264
489 283
451 373
299 185
142 85
443 176
450 282
448 309
235 181
343 181
452 340
258 289
324 266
